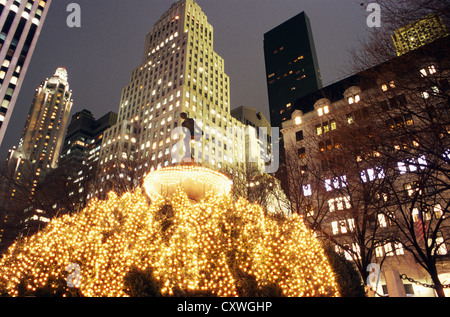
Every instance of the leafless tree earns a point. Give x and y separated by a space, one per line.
327 188
258 187
410 106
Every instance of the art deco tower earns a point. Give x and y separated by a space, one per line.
21 22
37 153
43 135
180 72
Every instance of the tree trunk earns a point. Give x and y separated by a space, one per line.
435 278
438 286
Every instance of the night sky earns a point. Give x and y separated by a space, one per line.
100 56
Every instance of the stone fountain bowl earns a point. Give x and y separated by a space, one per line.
195 180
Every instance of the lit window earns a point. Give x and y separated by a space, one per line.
435 89
423 72
298 120
440 245
309 210
372 174
382 221
438 211
333 125
351 224
319 130
402 167
331 205
410 188
307 191
354 99
431 69
328 185
379 251
337 182
324 110
350 119
428 71
399 248
335 227
447 155
388 249
343 226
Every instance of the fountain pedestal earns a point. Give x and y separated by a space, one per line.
195 180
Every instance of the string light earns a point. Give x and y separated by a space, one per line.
195 180
197 247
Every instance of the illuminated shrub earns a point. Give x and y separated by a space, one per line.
217 247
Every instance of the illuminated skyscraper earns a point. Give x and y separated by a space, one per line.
81 151
292 67
43 135
419 33
180 72
21 22
38 151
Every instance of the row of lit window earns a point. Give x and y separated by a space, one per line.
371 174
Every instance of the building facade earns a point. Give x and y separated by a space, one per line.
81 152
180 73
21 23
367 160
43 135
38 152
292 67
419 33
258 138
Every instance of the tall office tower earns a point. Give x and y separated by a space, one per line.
292 67
81 150
419 33
78 137
37 153
21 22
180 72
84 137
43 135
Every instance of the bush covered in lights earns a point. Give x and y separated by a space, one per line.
129 246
